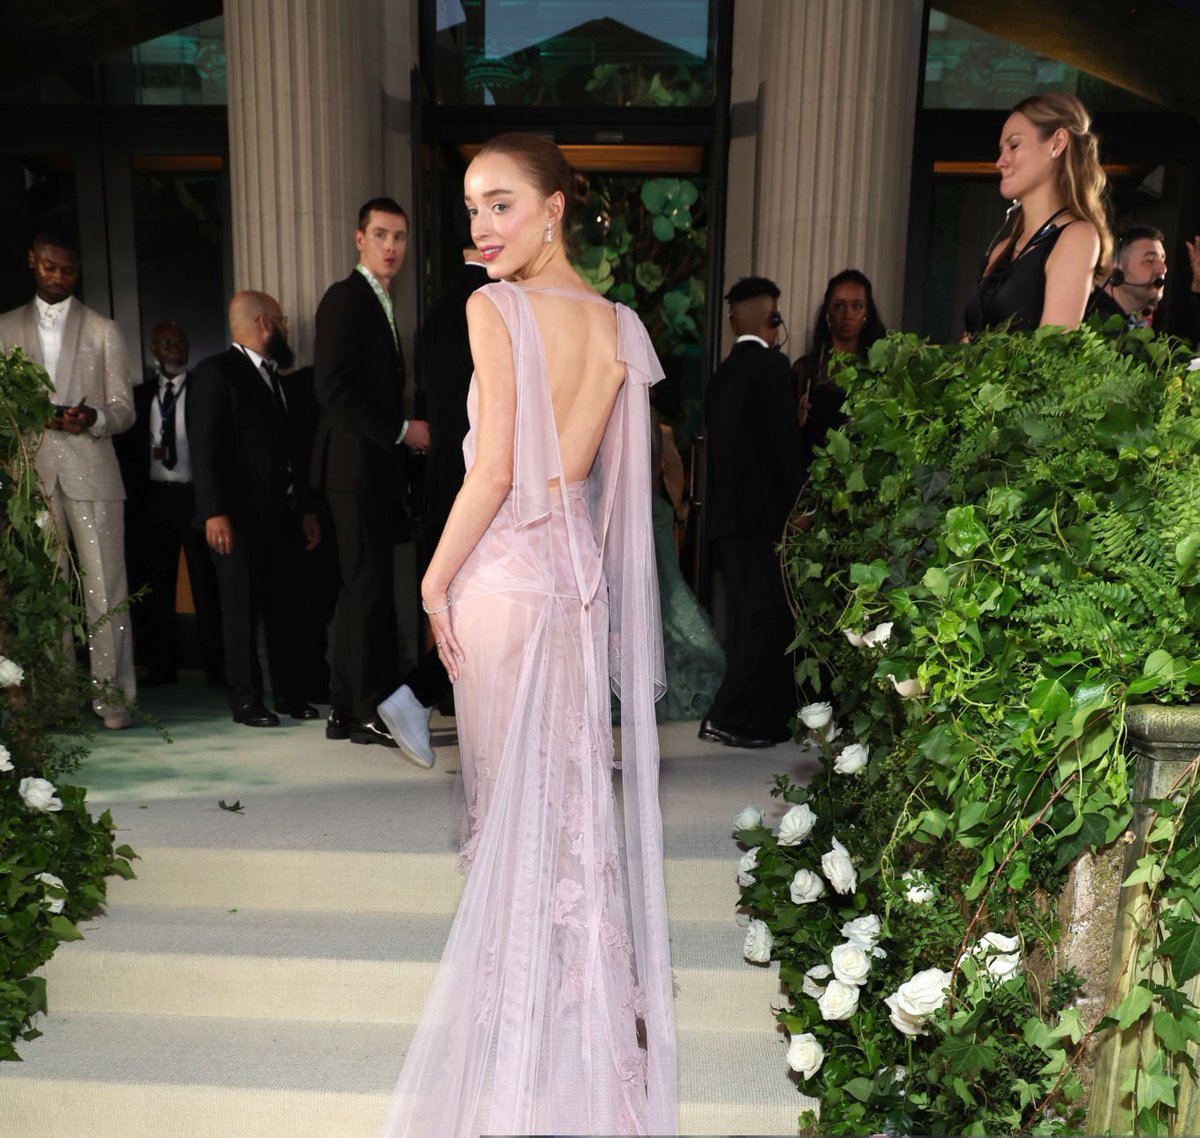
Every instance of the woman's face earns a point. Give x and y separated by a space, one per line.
847 312
1025 160
508 214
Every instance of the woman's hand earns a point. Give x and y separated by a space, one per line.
442 626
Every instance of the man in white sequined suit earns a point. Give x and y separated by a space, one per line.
86 359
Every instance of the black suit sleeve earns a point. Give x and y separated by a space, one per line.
209 410
340 379
782 442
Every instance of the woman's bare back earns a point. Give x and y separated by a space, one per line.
579 338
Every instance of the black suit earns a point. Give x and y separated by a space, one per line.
359 464
245 467
158 523
445 366
755 469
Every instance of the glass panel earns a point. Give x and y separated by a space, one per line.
179 220
616 53
185 68
968 68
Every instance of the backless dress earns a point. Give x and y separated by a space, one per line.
551 1010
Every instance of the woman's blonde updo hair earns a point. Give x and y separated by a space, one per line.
1081 179
546 167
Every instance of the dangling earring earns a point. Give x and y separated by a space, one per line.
549 232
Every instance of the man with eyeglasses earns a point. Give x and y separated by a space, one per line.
157 467
254 505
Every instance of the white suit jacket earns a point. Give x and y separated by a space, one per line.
93 367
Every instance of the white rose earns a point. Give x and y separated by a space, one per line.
839 869
815 973
901 1021
54 904
42 518
921 996
856 640
850 964
742 919
919 891
11 673
38 795
878 636
6 763
747 862
863 931
832 732
750 818
1002 956
851 759
796 825
1194 364
806 887
838 1001
907 689
805 1055
758 942
816 715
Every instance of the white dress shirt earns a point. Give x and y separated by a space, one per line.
751 336
259 362
52 319
183 459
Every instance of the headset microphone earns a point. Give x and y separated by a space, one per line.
1117 278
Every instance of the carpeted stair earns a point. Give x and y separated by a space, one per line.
261 976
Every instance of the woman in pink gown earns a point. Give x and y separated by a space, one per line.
551 1011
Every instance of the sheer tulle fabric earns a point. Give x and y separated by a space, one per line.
551 1011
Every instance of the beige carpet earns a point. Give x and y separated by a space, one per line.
261 976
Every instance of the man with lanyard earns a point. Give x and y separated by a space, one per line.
157 467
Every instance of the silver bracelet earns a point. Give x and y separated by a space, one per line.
433 612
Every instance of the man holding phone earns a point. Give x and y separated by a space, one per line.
85 357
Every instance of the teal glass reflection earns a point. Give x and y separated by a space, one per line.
616 53
971 69
184 68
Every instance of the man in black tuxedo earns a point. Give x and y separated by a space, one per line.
755 470
444 366
160 505
358 461
253 501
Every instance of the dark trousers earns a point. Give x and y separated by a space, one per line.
259 579
365 661
428 680
758 694
159 525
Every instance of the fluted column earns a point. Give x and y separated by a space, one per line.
305 144
836 87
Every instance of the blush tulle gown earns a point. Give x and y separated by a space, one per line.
551 1011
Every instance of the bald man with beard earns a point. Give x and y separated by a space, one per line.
253 504
755 471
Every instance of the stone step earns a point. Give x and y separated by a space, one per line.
321 966
142 1076
308 880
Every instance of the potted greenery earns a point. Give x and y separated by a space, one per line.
54 856
1001 558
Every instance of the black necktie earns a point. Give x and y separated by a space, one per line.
166 405
276 389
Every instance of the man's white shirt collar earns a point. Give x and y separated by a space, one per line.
253 356
756 339
54 313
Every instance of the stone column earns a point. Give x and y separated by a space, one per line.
306 144
828 185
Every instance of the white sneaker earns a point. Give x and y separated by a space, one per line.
408 721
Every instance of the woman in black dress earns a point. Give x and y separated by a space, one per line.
847 322
1058 240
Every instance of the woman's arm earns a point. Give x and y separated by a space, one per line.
1069 274
490 478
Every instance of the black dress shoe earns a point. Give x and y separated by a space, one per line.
337 725
255 715
714 734
300 711
372 731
